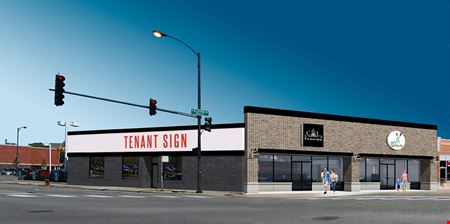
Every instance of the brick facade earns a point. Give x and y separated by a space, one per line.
28 156
284 132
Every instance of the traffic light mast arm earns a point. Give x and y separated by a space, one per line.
129 104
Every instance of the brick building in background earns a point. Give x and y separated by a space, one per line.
444 162
29 157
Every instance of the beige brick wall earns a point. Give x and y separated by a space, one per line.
284 133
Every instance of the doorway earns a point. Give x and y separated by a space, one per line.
155 173
301 176
387 176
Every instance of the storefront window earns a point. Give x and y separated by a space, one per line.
96 167
130 167
282 167
362 170
265 171
172 169
413 170
448 171
444 166
373 170
335 163
318 163
400 166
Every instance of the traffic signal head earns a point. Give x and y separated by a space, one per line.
152 110
59 90
208 123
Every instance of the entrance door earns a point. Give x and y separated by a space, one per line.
301 176
387 176
155 175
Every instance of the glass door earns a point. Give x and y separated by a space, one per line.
301 176
306 176
387 176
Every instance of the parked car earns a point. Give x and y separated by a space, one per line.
8 172
43 174
25 174
57 175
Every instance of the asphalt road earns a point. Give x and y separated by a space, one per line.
40 204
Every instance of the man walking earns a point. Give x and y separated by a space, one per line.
325 175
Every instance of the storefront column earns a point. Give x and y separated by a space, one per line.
351 174
251 173
428 175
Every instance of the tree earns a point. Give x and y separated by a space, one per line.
44 164
13 164
37 144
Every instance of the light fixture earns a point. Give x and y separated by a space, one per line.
158 34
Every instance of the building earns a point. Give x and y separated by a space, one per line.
273 150
132 157
444 162
29 157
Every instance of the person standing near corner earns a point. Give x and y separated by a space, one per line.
334 180
325 175
398 183
404 180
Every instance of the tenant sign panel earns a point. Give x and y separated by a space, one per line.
226 139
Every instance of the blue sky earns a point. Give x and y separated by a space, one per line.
385 60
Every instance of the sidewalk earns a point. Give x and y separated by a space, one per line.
281 194
123 189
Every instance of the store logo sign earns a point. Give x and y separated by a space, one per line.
313 135
396 140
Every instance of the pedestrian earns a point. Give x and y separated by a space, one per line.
334 180
398 181
404 180
325 175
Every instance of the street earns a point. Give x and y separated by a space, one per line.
40 204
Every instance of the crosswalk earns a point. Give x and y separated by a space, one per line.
102 196
379 198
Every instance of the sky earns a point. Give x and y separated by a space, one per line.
384 60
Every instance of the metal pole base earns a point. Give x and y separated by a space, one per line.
199 191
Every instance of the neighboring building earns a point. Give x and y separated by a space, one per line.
273 150
29 157
444 162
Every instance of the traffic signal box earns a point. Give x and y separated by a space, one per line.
208 123
152 110
59 90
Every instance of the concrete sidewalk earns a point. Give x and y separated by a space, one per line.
110 188
287 194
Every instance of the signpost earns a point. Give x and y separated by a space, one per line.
198 112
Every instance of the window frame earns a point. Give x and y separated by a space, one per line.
91 160
165 172
134 176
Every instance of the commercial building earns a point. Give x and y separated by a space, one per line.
29 157
273 150
444 162
132 157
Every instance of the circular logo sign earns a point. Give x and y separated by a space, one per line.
396 140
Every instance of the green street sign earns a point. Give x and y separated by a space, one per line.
199 112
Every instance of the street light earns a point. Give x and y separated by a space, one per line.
17 151
65 123
160 34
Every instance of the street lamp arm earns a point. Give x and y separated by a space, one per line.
185 44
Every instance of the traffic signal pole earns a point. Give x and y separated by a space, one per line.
129 104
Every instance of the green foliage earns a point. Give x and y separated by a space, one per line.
37 144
